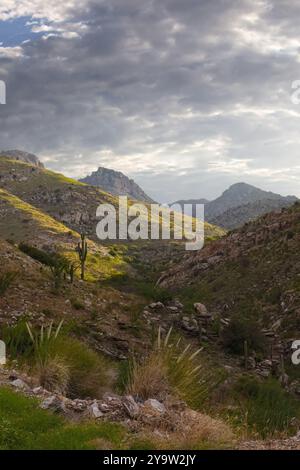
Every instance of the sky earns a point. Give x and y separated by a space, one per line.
185 96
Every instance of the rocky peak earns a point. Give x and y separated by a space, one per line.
116 183
22 156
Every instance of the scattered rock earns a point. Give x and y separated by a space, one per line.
155 406
20 384
94 411
53 403
131 407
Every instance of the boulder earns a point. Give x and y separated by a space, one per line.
156 406
53 403
20 384
201 310
94 411
131 407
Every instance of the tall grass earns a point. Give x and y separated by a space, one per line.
65 364
172 369
268 409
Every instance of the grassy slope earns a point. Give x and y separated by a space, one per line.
22 222
33 183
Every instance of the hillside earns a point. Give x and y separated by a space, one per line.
241 203
66 200
253 272
116 183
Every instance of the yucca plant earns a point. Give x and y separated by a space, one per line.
43 340
52 370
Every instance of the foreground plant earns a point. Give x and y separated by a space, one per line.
172 369
65 364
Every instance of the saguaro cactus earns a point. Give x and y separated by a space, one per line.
82 250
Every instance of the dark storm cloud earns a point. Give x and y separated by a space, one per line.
186 96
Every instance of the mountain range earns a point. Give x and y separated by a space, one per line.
239 204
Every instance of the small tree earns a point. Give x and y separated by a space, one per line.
82 250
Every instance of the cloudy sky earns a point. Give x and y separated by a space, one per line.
186 96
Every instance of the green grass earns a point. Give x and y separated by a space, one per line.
268 410
24 426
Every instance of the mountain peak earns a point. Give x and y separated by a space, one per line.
22 156
116 183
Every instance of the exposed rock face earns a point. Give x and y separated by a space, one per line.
116 183
239 204
22 156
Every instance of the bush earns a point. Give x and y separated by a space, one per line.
18 342
239 331
172 370
6 280
38 255
87 368
77 304
54 375
268 408
67 364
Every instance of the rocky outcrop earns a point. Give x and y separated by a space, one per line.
22 157
116 183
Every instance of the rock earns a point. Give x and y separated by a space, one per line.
131 407
173 309
155 405
284 380
20 384
155 305
53 403
94 411
201 310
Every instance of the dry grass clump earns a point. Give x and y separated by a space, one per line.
172 370
148 379
54 375
65 364
189 430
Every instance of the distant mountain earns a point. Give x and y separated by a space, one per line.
240 203
21 156
116 183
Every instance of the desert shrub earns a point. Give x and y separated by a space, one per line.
172 369
239 331
59 266
268 408
67 364
18 343
77 304
88 370
6 280
38 255
54 375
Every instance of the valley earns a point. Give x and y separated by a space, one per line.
156 347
